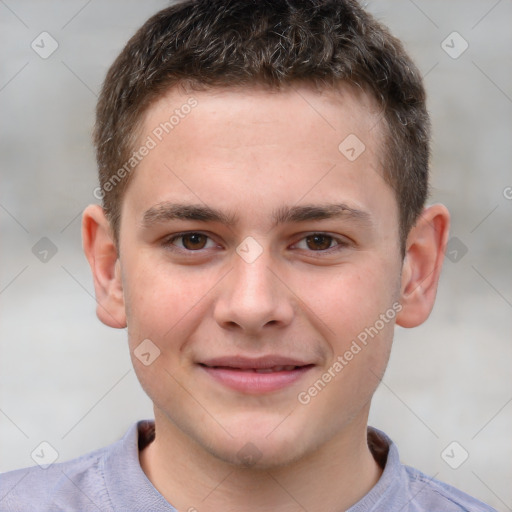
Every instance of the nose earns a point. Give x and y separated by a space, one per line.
253 296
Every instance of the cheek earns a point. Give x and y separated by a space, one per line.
352 299
162 300
362 315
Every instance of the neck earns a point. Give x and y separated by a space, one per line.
333 477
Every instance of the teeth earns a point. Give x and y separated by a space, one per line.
275 369
286 368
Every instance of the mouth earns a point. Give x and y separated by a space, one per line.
274 369
255 376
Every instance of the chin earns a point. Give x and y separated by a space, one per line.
260 445
257 456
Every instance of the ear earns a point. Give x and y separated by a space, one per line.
425 248
101 252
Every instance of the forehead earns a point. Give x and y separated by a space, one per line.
338 108
230 145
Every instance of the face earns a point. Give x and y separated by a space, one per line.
259 254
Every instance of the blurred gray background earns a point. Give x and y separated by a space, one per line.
65 378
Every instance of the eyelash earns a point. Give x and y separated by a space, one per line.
168 242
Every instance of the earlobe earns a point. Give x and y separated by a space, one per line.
426 245
101 253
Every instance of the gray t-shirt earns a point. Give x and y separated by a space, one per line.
111 479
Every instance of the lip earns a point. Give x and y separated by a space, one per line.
255 375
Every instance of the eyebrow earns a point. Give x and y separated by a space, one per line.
167 211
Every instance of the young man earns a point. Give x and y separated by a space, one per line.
263 169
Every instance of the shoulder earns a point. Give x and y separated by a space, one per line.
106 479
77 484
430 494
404 488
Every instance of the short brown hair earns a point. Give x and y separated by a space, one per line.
211 43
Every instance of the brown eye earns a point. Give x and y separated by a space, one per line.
194 241
189 242
319 242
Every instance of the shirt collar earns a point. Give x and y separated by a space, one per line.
128 486
391 489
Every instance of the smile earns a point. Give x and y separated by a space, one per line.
256 377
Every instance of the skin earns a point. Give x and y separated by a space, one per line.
249 152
